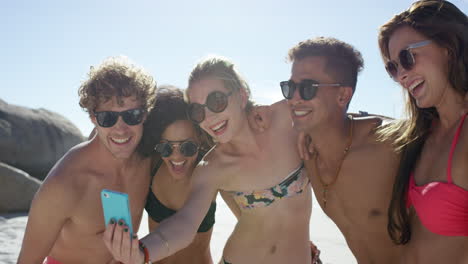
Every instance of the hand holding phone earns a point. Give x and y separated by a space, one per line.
116 206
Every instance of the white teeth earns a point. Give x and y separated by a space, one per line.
411 88
178 163
120 140
218 126
300 113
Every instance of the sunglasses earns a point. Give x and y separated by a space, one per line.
215 101
131 117
187 148
307 88
405 58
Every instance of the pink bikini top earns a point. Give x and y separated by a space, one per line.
442 207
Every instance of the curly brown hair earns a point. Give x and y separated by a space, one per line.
343 61
117 76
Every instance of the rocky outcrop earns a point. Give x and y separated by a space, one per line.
34 139
17 189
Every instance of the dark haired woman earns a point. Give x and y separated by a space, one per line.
176 146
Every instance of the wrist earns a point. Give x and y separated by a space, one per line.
145 252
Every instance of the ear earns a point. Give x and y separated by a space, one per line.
93 119
345 94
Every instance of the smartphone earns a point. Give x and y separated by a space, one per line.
115 205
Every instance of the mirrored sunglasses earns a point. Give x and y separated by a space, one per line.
405 59
187 148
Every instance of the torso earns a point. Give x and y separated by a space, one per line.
80 240
431 169
173 196
358 201
279 232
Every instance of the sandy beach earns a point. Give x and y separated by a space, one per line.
322 231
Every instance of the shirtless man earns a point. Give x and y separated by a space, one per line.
66 222
351 171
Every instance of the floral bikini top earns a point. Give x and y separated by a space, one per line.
292 185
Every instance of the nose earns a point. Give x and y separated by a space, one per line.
208 114
120 125
296 98
401 75
176 151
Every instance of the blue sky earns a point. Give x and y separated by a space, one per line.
48 46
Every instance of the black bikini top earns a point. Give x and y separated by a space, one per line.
158 211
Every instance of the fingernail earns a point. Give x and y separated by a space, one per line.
134 236
112 221
125 230
120 222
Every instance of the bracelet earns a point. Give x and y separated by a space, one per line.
164 240
145 252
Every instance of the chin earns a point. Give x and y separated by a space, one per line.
179 176
423 105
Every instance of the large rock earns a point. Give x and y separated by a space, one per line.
34 139
17 189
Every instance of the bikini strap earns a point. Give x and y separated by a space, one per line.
452 149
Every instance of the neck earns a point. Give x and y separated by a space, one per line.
450 109
243 140
331 140
115 164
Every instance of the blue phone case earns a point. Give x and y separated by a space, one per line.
116 206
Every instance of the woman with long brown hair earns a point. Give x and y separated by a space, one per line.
425 51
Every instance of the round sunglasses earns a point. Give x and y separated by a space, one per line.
131 117
307 88
215 101
187 148
405 59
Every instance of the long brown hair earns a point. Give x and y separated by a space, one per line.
447 26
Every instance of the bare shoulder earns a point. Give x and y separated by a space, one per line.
281 110
61 190
67 174
281 119
368 124
366 127
210 167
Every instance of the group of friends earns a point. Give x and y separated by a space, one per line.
396 189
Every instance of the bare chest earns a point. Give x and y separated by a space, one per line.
360 192
433 162
88 217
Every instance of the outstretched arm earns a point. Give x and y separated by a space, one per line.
172 234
